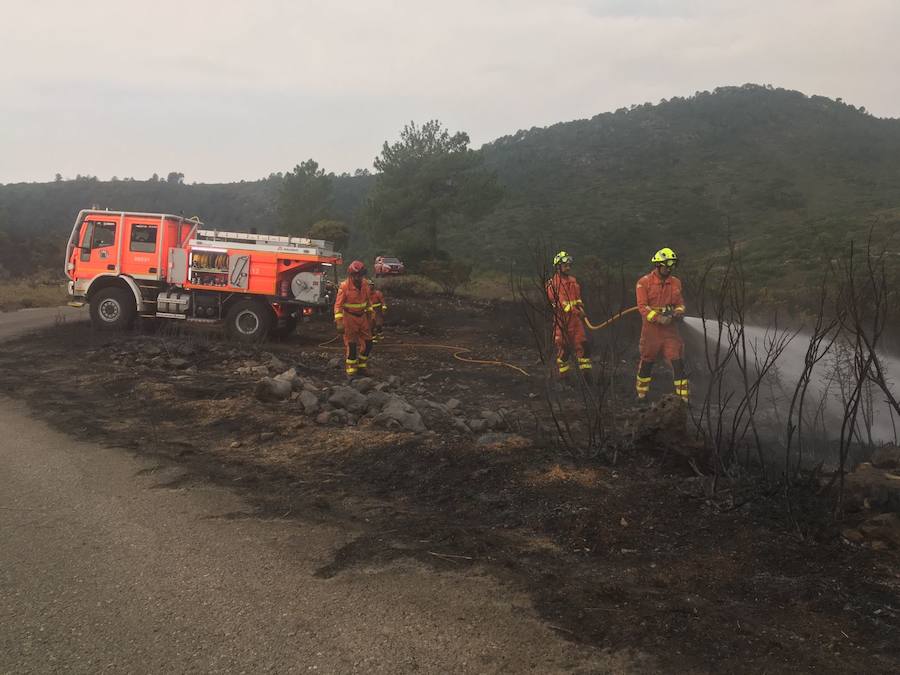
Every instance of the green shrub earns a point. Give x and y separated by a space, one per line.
448 274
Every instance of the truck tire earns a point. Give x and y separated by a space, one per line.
113 309
249 321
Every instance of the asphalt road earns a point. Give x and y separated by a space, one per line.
109 563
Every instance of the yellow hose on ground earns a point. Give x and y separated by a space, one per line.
457 353
611 320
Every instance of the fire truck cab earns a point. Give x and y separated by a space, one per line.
127 264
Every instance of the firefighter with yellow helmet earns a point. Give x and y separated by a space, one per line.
661 306
564 295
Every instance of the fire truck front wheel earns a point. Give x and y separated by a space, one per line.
113 309
249 321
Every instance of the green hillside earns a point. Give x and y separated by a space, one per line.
778 172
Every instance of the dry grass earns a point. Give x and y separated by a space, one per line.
21 293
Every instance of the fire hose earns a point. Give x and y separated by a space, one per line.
457 353
611 320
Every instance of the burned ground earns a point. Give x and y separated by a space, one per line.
626 556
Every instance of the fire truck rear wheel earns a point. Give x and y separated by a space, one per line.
249 321
113 309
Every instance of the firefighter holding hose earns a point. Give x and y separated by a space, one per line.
661 307
564 295
352 310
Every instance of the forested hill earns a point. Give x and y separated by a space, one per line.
778 172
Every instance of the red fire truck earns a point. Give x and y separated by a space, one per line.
127 264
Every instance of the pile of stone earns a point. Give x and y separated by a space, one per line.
384 404
873 491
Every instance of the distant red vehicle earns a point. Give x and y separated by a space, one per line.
386 266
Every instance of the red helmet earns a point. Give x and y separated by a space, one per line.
357 267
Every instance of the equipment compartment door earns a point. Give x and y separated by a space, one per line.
238 271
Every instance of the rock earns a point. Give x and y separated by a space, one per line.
332 417
266 436
363 384
883 527
877 488
310 402
460 425
290 375
453 404
401 412
152 350
432 413
492 420
887 457
477 425
349 399
277 364
310 387
269 389
179 363
663 427
235 444
393 381
336 362
377 400
185 350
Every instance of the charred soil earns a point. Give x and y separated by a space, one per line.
629 556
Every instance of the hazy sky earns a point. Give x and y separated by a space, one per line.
224 90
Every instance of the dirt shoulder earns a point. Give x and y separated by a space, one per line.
624 557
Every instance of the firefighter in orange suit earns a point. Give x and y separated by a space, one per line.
352 316
379 307
564 295
660 303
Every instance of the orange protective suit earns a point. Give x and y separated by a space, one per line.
379 307
352 308
564 295
658 297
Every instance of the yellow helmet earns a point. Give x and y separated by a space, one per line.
664 256
562 257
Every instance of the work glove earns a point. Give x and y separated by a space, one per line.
664 319
340 326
